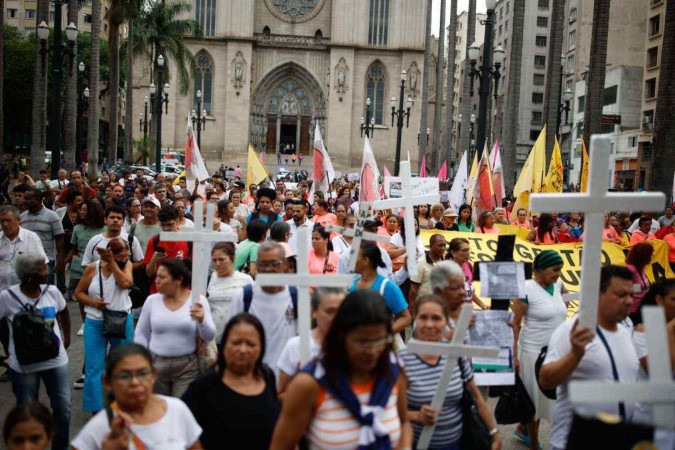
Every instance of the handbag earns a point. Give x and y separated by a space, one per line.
475 435
548 393
514 405
207 353
114 322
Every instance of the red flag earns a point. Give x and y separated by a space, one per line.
483 194
423 167
443 173
386 172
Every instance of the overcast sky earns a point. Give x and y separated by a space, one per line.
462 5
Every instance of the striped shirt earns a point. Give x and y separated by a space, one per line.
47 225
334 428
422 381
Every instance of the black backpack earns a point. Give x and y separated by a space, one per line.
34 340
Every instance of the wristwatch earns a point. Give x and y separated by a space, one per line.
493 431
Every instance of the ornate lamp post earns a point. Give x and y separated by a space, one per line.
368 124
144 122
428 133
564 105
82 105
57 49
400 114
472 147
485 72
199 119
161 101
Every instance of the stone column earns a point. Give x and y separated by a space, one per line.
297 134
278 132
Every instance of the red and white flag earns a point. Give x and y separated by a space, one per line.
323 173
195 169
423 167
483 194
369 189
497 172
443 173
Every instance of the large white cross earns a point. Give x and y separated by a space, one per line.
358 235
594 204
408 201
659 391
455 349
202 237
303 280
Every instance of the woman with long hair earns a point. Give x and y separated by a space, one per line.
464 223
134 415
431 321
636 261
609 233
104 289
486 223
28 426
545 231
237 405
340 214
326 401
459 251
170 325
424 217
321 258
535 319
133 215
227 213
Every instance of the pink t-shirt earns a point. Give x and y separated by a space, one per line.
468 281
325 219
493 230
641 282
317 263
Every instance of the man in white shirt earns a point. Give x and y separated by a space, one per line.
114 218
636 225
576 353
61 182
299 220
273 305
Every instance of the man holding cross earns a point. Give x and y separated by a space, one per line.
604 354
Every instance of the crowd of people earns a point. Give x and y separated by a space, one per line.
165 369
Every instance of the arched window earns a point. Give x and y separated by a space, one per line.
266 30
204 82
318 34
378 24
205 14
375 90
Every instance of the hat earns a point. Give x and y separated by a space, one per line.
267 192
152 200
449 212
546 259
372 223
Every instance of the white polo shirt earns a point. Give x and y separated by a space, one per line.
293 239
24 242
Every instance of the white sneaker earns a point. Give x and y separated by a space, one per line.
80 332
79 383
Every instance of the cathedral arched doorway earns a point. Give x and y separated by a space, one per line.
286 105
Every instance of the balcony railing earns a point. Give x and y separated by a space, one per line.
287 40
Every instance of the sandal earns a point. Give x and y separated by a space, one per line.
525 439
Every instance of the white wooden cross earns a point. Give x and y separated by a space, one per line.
303 281
455 349
659 391
408 201
594 204
358 235
202 235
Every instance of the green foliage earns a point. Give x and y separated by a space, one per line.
19 59
84 55
144 147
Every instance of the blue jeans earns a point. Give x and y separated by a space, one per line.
26 387
52 265
95 351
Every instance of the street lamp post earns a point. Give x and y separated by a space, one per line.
400 114
472 147
563 105
161 101
56 49
418 136
368 124
82 104
144 124
199 119
485 72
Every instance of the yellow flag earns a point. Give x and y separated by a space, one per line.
255 170
584 166
554 178
177 180
471 184
539 161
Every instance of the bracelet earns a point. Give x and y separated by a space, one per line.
493 431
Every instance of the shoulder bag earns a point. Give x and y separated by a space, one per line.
475 435
114 322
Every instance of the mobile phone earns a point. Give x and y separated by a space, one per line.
160 249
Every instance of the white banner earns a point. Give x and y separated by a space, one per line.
421 186
355 176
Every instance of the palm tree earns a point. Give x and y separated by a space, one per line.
425 84
436 151
510 128
129 104
449 82
553 81
465 104
2 71
39 119
595 81
94 88
70 103
664 132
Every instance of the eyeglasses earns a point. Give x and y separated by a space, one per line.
368 344
142 375
269 264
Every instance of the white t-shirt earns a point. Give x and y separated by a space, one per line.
275 311
397 240
340 244
59 184
289 359
177 430
50 303
595 365
90 255
221 292
188 224
117 298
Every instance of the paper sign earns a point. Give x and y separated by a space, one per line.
353 176
503 280
420 186
491 328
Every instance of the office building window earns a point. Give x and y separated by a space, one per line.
534 134
30 14
650 88
507 7
539 61
573 15
542 21
652 57
539 79
204 81
12 13
205 13
378 27
581 103
570 64
537 117
540 41
572 39
655 25
86 18
52 14
538 98
375 90
543 4
609 95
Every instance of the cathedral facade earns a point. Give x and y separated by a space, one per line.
269 70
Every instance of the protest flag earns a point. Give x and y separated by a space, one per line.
497 172
539 161
457 196
322 168
583 184
443 173
423 167
483 193
386 171
255 170
369 191
471 183
195 169
554 178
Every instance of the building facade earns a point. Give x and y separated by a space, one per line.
270 70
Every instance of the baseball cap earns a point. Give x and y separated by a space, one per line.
449 212
152 200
